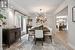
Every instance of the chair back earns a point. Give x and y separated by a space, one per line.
38 33
50 30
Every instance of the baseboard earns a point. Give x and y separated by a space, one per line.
72 46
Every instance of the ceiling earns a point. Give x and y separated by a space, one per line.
32 6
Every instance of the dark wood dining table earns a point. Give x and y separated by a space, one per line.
45 29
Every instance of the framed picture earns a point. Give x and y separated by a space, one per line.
73 14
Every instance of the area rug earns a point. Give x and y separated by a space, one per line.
26 44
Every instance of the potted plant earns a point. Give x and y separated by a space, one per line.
1 19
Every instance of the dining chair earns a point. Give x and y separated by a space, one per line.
49 34
38 35
30 33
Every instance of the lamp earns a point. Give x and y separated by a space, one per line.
3 3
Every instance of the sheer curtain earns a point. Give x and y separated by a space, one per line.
24 24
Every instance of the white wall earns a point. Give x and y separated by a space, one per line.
10 18
63 12
71 24
0 38
51 21
61 7
13 19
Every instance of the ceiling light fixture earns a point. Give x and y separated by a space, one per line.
41 18
3 3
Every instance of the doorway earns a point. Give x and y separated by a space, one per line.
61 20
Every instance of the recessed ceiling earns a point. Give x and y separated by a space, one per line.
32 6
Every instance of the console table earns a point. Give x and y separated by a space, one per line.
11 35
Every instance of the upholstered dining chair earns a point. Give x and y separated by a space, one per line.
30 33
49 34
39 35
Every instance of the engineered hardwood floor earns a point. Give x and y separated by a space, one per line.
59 43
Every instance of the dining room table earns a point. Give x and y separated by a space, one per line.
45 29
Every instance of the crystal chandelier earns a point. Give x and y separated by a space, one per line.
41 18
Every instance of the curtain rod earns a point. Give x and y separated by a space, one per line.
20 12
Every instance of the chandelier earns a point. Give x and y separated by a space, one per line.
41 18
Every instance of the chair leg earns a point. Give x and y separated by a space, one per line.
28 38
35 41
42 42
50 38
41 39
